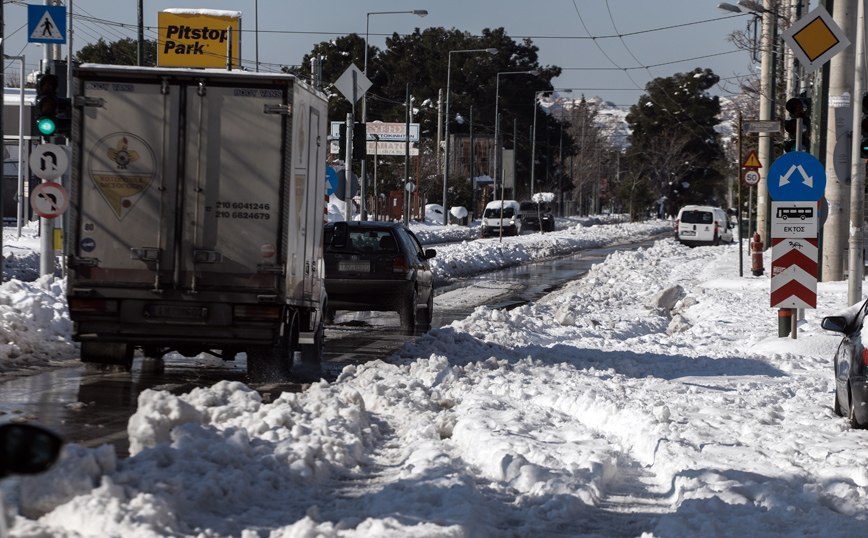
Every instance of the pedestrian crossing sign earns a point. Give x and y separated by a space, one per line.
46 24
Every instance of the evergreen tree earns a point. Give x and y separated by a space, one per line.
422 60
121 52
673 139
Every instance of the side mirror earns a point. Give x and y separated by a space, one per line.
837 324
27 449
430 253
341 235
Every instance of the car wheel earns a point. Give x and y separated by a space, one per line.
851 419
408 312
428 316
836 405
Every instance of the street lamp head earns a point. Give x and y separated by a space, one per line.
420 12
491 51
533 72
728 8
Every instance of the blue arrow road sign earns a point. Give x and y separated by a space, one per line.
46 24
331 180
796 177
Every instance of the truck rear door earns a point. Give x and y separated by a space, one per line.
125 184
233 190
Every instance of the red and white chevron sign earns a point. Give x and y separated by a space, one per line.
794 273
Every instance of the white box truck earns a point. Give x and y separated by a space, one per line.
196 216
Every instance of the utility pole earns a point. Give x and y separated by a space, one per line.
767 112
857 187
838 132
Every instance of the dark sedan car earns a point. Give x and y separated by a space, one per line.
851 366
378 266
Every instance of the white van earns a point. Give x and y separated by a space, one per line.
492 221
703 225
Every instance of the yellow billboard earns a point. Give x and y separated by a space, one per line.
198 38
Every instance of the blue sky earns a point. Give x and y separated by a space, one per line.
660 38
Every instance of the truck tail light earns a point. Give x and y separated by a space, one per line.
399 265
257 311
99 306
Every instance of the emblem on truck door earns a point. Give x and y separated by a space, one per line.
122 166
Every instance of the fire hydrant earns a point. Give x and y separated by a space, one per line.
756 255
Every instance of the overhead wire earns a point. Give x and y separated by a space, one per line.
654 79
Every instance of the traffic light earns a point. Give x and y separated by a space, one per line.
360 141
53 112
863 128
799 109
342 140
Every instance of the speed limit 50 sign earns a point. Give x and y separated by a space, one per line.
751 176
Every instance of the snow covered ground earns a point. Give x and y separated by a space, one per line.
610 408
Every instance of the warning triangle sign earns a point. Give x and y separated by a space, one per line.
752 161
46 29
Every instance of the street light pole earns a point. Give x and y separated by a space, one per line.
446 164
533 138
533 72
363 210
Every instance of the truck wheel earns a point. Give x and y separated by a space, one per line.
408 312
107 357
274 363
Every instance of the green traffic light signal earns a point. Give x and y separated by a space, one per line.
46 126
46 104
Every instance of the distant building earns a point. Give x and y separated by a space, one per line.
11 141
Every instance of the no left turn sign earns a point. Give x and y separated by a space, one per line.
49 200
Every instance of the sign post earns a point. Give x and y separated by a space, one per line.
796 183
49 199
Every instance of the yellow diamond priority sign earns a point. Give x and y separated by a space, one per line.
815 38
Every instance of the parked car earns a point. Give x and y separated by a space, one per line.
703 225
25 449
851 365
538 216
378 266
492 221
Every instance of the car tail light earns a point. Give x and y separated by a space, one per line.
676 223
399 265
715 227
257 311
865 356
93 305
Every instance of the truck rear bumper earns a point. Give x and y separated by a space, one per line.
169 323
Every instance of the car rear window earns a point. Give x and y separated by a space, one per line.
366 240
697 217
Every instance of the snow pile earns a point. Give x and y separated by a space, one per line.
585 414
